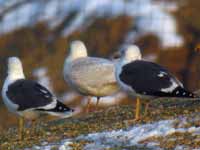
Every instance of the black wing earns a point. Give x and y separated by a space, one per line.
28 94
151 79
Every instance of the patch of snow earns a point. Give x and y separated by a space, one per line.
148 16
152 144
66 145
84 101
150 57
133 136
182 147
69 97
109 100
170 7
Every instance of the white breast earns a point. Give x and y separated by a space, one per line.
122 85
9 104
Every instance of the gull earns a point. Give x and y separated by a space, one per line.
27 98
89 76
146 80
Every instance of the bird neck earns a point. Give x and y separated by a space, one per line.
74 56
67 66
15 74
124 61
118 68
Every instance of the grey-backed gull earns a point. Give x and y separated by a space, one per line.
27 98
145 79
90 76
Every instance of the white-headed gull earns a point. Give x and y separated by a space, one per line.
145 79
90 76
27 98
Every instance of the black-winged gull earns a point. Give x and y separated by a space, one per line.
145 79
27 98
90 76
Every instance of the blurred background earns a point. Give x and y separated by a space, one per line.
39 32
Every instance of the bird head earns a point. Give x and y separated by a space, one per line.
15 69
131 53
77 50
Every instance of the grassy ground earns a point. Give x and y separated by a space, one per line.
117 117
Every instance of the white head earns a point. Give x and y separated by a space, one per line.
77 50
15 69
131 53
